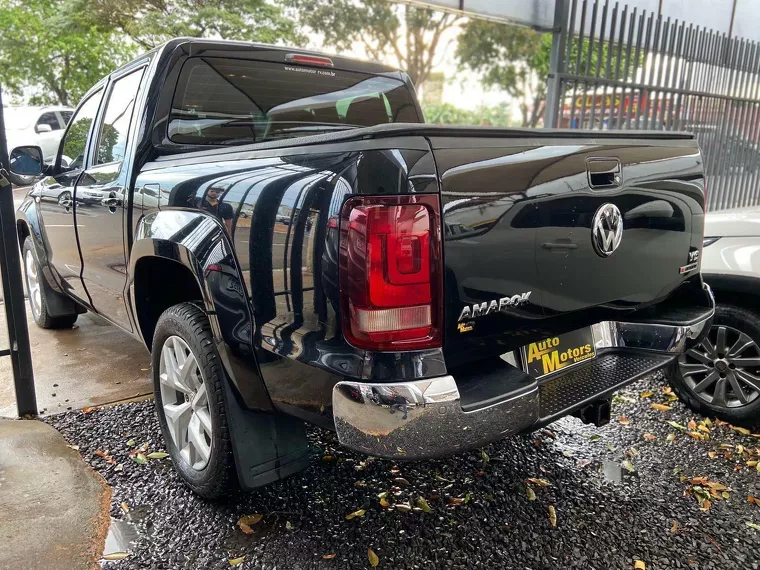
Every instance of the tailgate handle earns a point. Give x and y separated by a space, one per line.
603 172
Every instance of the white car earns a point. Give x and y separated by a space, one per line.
36 126
721 377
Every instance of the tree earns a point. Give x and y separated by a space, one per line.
405 36
511 58
516 59
151 22
41 52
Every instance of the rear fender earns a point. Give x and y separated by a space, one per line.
198 242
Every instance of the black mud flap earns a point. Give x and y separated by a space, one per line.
267 447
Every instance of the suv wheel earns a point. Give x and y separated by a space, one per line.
40 292
187 383
721 376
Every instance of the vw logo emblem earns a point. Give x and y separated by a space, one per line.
607 229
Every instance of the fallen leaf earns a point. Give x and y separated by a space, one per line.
741 430
88 409
74 447
116 556
697 435
752 499
552 515
401 481
140 458
752 463
717 486
359 513
530 493
711 454
676 425
119 467
649 437
246 522
360 483
667 390
372 557
157 455
124 507
402 507
288 525
384 503
753 525
692 425
661 407
131 443
707 422
704 428
327 458
423 504
455 500
484 455
674 526
706 505
646 394
329 556
698 480
236 561
628 465
671 437
467 498
623 420
539 482
639 565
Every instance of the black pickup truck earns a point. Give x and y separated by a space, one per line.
292 243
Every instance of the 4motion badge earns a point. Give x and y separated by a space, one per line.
486 308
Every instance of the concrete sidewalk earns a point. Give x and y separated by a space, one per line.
54 510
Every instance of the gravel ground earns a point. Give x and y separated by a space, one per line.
478 512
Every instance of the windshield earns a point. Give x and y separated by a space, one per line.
228 101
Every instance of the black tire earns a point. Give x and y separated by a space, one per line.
218 477
40 305
734 321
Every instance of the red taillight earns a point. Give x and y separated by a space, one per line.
308 59
390 272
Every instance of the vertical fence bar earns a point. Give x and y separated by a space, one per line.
626 75
557 64
577 70
599 55
639 37
643 93
607 65
588 61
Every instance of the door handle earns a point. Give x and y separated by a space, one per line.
111 202
604 172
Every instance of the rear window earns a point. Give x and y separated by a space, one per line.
229 101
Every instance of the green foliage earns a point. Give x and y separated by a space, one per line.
447 114
41 50
405 36
516 60
151 22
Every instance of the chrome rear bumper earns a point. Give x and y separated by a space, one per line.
425 418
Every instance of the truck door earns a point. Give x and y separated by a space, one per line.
55 198
102 196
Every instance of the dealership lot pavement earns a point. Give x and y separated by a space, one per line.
637 489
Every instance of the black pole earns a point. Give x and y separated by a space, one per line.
13 289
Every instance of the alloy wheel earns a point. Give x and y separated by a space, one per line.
185 402
33 284
724 370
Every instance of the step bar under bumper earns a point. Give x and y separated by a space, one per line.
424 418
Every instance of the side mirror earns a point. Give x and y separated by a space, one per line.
27 161
43 128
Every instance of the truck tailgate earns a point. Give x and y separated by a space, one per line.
546 235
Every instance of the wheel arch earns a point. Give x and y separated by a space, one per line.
738 290
185 256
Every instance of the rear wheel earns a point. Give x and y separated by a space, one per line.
721 376
187 382
40 293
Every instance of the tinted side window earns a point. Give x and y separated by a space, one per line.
75 139
66 116
49 119
112 140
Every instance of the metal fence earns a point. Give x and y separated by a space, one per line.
614 66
